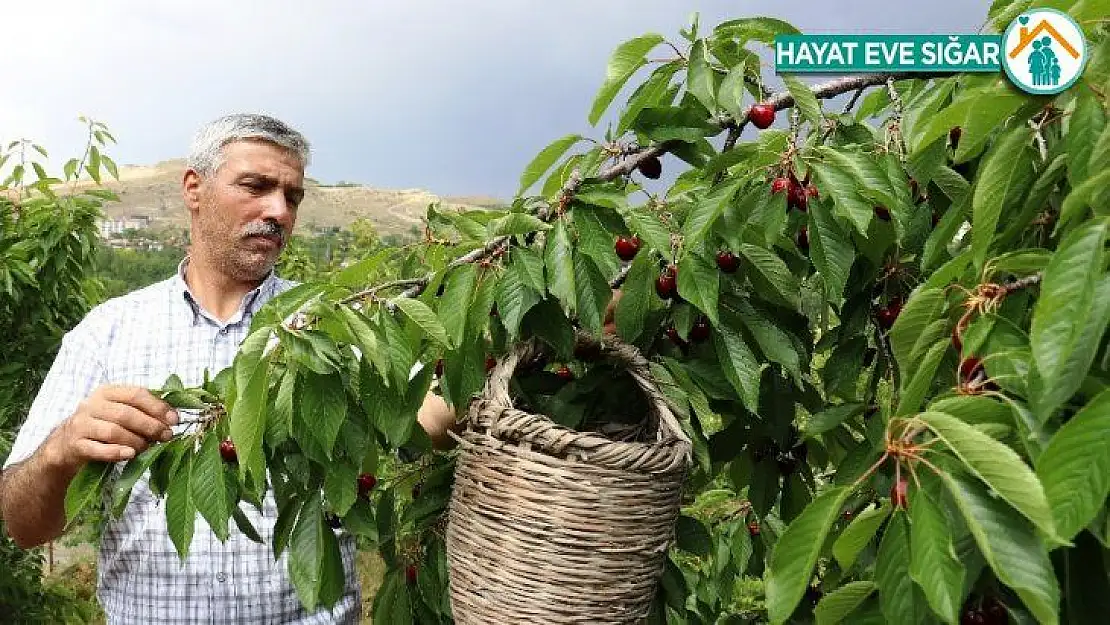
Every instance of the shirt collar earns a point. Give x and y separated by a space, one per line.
247 308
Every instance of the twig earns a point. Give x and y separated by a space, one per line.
1022 283
381 287
855 98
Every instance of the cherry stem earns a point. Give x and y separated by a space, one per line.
869 472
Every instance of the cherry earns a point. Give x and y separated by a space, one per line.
787 464
778 185
227 450
727 261
847 514
995 612
811 191
491 362
666 285
410 574
973 616
898 493
954 136
970 367
796 197
626 247
439 368
366 483
700 331
762 115
332 521
565 373
802 240
651 167
672 334
753 528
882 213
887 316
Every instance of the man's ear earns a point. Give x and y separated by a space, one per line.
192 185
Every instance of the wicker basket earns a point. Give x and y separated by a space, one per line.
552 525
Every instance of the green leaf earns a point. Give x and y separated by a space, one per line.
1035 200
773 341
838 183
132 472
699 283
770 270
1085 123
705 213
85 488
592 293
1010 545
691 536
997 465
1075 467
796 552
333 579
915 387
626 59
514 300
934 564
248 418
594 237
529 267
455 303
1009 160
831 250
923 307
245 526
830 418
515 224
900 600
979 113
1062 311
559 260
648 227
306 552
635 302
858 534
392 602
1086 194
419 313
110 165
341 485
731 94
181 513
804 99
739 364
323 407
544 160
699 77
650 93
839 604
207 487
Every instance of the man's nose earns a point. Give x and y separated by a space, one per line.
278 208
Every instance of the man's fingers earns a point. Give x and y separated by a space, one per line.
114 433
135 420
103 452
142 399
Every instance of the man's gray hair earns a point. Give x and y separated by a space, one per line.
206 153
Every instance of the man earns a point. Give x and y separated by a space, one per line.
242 186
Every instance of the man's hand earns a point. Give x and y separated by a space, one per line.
113 424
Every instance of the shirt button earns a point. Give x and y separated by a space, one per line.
221 577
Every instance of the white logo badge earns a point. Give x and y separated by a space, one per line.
1045 51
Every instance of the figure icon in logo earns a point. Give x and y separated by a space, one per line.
1054 71
1045 51
1037 63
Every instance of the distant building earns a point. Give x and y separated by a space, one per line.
109 228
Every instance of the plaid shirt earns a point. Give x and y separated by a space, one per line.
141 338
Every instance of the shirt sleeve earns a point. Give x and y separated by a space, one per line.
75 372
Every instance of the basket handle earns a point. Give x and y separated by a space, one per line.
615 351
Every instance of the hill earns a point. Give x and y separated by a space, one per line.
155 192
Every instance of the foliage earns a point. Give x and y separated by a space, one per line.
47 243
898 399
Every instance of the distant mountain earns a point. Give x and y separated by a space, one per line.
155 192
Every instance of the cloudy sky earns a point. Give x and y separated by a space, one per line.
454 97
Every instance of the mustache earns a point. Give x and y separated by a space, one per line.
264 229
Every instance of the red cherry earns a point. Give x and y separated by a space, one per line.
491 362
762 115
439 368
796 197
366 483
666 285
882 213
410 574
970 368
954 136
802 240
672 333
973 617
887 316
811 191
700 331
227 450
847 514
626 247
728 262
753 528
778 185
565 373
898 493
651 167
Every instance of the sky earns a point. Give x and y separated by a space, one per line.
452 97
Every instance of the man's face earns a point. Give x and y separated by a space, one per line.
244 213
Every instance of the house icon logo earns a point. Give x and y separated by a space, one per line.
1044 51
